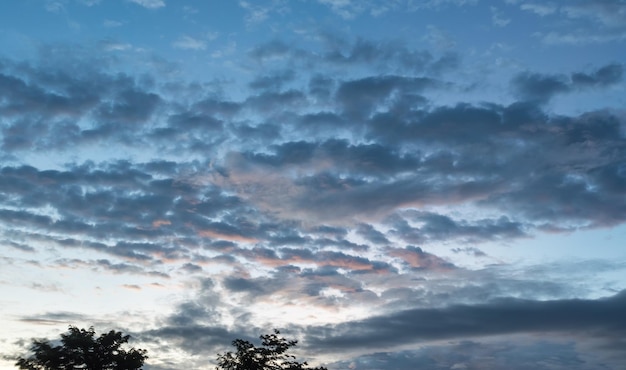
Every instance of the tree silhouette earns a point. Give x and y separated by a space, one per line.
80 349
272 355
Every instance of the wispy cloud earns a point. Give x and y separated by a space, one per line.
595 21
150 4
189 43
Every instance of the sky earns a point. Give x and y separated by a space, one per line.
400 184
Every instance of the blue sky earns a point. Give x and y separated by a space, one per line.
435 184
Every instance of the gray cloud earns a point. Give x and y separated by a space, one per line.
436 227
371 234
541 88
516 353
273 81
363 96
45 105
607 75
337 51
597 317
53 318
129 106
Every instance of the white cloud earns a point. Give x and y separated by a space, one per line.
115 46
349 9
150 4
55 6
540 9
111 23
90 2
439 38
434 4
189 43
608 14
498 18
588 22
344 8
227 50
581 39
256 14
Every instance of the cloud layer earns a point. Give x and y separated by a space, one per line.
349 189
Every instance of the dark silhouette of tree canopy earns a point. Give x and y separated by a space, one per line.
272 355
80 349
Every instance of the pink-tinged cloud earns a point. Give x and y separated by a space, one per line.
158 223
417 258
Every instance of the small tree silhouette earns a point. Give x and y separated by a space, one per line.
80 349
272 355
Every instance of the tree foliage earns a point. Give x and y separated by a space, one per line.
272 355
81 349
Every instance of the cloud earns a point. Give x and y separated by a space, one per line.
363 96
21 247
584 22
604 76
470 250
606 13
582 38
522 353
540 9
345 8
195 339
109 45
440 3
130 106
497 18
78 108
110 23
539 87
53 318
600 318
439 39
336 51
416 258
436 227
90 2
191 268
543 87
274 81
189 43
350 9
27 97
150 4
55 6
270 50
131 286
371 234
257 13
